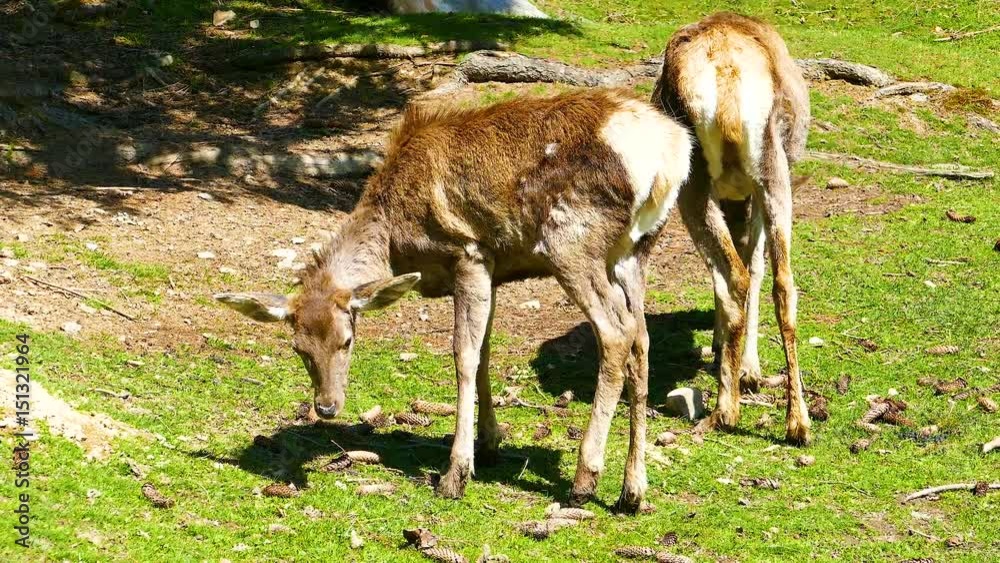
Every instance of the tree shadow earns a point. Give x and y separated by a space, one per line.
293 453
569 362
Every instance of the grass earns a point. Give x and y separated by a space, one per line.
859 276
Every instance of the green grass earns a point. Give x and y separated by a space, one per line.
859 276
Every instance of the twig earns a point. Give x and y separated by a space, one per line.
916 532
523 469
108 392
944 488
954 172
947 262
252 380
958 36
69 291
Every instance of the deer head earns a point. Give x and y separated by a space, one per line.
323 317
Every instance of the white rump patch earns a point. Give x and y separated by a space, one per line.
550 149
656 153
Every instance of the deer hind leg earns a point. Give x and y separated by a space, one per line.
630 274
775 193
473 306
489 432
605 305
705 223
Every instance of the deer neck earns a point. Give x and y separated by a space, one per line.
359 253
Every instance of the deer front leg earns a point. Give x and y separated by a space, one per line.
489 432
473 303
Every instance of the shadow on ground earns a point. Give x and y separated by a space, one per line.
569 362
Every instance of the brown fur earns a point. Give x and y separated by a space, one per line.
728 220
472 199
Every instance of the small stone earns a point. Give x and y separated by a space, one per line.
919 97
206 196
685 402
930 284
532 305
87 309
665 438
206 255
408 357
227 270
254 24
221 17
91 246
22 237
892 392
278 529
805 461
298 240
71 327
816 341
356 541
836 183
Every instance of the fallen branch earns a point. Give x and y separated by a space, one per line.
907 88
75 293
254 58
944 488
835 69
943 171
958 36
492 66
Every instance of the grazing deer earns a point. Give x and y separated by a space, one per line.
733 81
575 186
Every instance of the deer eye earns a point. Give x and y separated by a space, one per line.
348 342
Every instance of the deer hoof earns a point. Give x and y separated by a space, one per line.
797 432
452 484
628 503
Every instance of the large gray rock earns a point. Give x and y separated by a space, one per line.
685 402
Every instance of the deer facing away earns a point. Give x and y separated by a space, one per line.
575 186
732 80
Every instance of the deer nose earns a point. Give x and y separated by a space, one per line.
327 411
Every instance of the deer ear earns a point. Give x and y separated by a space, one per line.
263 307
382 293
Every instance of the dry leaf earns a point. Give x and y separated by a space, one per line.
155 497
563 400
843 384
954 216
280 490
421 538
942 350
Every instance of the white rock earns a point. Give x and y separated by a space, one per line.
356 541
816 341
408 357
91 246
87 309
532 305
725 480
6 252
685 402
71 327
206 197
22 237
220 17
930 284
254 24
298 240
206 255
226 270
919 97
892 392
10 262
836 183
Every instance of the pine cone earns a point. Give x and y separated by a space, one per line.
665 438
444 555
541 432
987 404
918 560
376 489
635 552
967 393
664 557
375 418
574 432
489 557
569 514
875 412
505 428
926 381
819 410
421 538
897 419
867 344
760 483
155 497
949 387
280 490
362 456
843 384
412 419
860 445
339 463
563 401
669 539
267 443
942 350
427 407
558 411
868 427
982 487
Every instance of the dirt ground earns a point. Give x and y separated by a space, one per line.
113 202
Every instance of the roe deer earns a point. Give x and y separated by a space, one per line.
733 81
575 186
